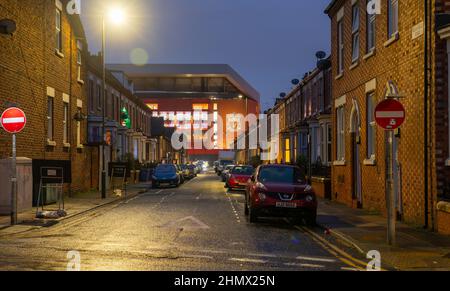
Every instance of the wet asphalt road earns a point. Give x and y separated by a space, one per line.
198 226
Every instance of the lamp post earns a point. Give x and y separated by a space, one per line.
116 15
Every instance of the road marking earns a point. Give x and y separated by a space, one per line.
187 223
350 269
158 192
304 265
247 260
316 259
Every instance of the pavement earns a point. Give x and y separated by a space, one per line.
76 205
415 249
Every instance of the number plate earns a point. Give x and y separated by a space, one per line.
286 205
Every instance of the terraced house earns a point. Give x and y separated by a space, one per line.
43 72
395 54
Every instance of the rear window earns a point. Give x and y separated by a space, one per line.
224 163
283 175
165 169
243 170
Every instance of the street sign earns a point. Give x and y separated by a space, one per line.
390 114
13 120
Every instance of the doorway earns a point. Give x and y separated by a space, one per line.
355 129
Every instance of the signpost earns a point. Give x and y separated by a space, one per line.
390 115
13 120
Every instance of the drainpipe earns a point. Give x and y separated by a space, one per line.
426 90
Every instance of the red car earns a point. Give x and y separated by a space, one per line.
239 176
280 190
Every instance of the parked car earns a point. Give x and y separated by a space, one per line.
226 172
188 171
222 165
239 176
180 172
194 170
215 166
166 175
280 190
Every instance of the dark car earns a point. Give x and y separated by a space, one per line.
166 175
225 173
280 190
239 176
221 166
188 171
194 170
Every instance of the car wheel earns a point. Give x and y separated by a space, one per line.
252 215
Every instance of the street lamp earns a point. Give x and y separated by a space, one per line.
116 15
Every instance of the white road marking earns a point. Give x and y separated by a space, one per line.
350 269
316 259
248 260
304 265
187 223
158 192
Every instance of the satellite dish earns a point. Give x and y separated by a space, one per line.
7 26
282 95
321 55
295 82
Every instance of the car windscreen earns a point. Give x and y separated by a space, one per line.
224 163
248 171
283 175
165 169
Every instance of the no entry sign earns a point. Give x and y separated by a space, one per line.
13 120
390 114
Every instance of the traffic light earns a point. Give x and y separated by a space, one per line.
125 118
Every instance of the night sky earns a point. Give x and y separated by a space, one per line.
269 42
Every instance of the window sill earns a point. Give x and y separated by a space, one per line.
80 147
393 39
59 54
339 163
370 162
66 145
339 76
51 143
369 54
354 65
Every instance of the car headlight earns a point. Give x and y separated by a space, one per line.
262 196
309 198
261 186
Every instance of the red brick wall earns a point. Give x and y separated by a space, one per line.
28 64
401 62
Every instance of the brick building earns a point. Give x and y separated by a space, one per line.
43 72
124 142
381 56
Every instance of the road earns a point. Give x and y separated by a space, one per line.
196 227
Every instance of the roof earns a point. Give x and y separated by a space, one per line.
330 6
188 70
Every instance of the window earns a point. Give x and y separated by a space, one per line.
50 118
371 126
340 133
370 31
392 18
200 107
340 42
355 32
153 107
58 32
99 97
91 96
329 142
287 150
66 123
79 60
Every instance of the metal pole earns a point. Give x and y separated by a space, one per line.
390 188
14 183
103 179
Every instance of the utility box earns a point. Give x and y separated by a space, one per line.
24 185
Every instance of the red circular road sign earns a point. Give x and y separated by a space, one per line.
13 120
390 114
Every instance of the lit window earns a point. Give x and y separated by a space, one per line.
340 131
287 151
200 107
153 107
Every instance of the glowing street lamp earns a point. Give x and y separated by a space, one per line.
116 15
